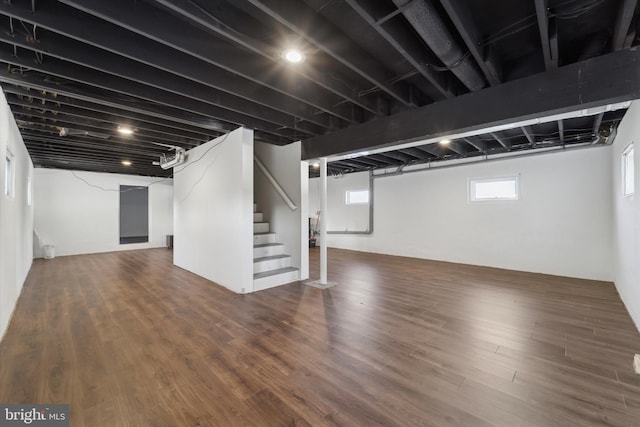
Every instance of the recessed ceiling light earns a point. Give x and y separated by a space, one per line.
315 165
126 162
293 55
125 130
445 142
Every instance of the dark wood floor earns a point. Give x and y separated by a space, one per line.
129 340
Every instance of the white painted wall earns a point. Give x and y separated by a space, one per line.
290 225
342 217
626 220
79 217
213 211
16 216
561 225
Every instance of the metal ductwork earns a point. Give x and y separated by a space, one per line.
429 25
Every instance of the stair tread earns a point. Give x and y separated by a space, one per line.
262 233
274 272
265 245
271 257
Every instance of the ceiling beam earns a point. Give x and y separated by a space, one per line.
146 128
398 155
114 100
595 82
75 52
106 81
428 23
417 153
124 114
597 121
319 91
457 148
623 22
106 145
50 120
502 141
526 131
561 130
86 29
550 62
477 144
434 149
402 41
460 15
330 40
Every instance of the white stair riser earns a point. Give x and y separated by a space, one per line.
275 280
258 217
260 239
268 251
260 227
272 264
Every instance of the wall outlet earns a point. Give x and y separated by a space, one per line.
636 363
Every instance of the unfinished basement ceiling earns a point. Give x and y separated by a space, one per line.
181 72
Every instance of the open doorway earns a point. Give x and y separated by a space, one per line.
134 214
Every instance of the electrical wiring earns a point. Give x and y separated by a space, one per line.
204 172
455 63
522 24
577 11
203 154
113 189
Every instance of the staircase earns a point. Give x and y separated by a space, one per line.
271 267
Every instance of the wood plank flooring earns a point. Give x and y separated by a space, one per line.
129 340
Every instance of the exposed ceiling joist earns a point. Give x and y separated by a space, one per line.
506 144
428 23
623 22
138 73
330 40
460 15
526 131
547 38
40 96
561 130
113 100
398 36
199 16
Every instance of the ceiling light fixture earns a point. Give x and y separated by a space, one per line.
445 141
126 162
315 165
125 130
293 55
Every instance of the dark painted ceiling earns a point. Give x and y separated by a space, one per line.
180 72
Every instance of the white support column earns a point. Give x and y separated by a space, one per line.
323 221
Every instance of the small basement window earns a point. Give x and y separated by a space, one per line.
357 197
493 189
628 184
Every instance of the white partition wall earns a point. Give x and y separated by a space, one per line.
16 213
626 220
213 211
79 212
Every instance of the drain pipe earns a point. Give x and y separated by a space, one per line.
426 20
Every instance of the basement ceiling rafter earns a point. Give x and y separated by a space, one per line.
377 75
